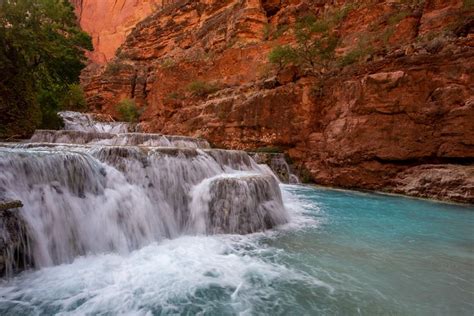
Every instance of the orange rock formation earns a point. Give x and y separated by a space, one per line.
400 120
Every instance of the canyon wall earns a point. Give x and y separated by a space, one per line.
110 21
399 119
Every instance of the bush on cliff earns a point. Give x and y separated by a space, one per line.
41 54
202 88
128 111
315 45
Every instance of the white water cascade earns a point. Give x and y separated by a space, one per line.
96 191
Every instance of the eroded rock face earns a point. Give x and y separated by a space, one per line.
409 104
448 182
110 21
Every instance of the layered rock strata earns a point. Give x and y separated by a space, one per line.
406 106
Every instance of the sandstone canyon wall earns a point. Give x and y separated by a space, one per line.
400 119
110 21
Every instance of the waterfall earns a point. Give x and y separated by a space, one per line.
87 191
75 121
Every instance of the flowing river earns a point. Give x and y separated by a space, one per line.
144 224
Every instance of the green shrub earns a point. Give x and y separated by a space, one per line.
353 57
315 45
362 50
468 4
267 30
114 68
201 88
168 63
281 29
174 96
397 17
74 99
49 101
340 15
128 111
283 55
269 150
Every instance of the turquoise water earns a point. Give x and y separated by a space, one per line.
344 253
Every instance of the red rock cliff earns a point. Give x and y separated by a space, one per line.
110 21
399 120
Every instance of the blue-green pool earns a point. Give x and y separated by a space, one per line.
344 253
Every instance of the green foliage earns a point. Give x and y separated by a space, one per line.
175 96
396 18
304 175
386 35
128 111
168 63
114 68
269 150
281 29
50 103
283 55
201 88
41 53
315 43
356 55
267 30
468 4
74 99
342 13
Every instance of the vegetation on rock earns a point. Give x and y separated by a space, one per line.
41 54
314 49
201 88
74 99
128 111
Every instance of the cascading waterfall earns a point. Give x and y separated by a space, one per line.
94 192
75 121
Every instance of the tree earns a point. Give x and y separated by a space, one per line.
42 52
74 99
315 45
282 56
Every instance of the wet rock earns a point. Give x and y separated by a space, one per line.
14 240
277 163
243 205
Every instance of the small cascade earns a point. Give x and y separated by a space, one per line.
236 204
117 139
278 164
74 121
96 191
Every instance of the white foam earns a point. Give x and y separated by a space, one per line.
195 272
